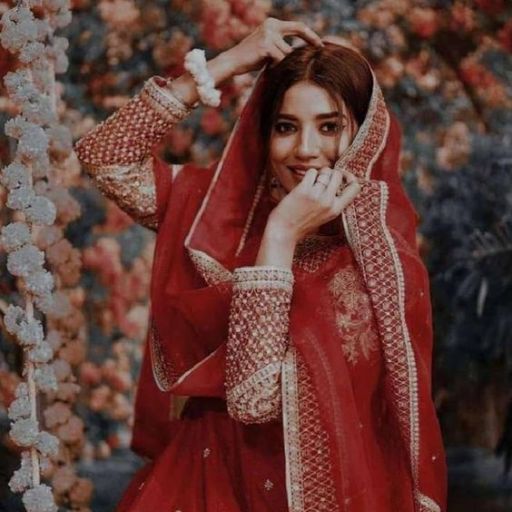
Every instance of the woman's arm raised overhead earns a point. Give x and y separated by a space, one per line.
117 152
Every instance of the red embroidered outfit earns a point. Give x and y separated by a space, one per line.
310 388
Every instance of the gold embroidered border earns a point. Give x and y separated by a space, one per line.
210 269
291 430
370 139
427 504
384 278
163 372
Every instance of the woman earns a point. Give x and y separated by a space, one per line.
288 298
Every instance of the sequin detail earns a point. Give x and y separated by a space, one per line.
257 342
354 315
164 373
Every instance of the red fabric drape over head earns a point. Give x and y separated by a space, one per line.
334 416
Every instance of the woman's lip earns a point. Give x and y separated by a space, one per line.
299 169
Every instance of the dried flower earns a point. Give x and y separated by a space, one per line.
30 333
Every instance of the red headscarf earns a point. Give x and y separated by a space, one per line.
356 439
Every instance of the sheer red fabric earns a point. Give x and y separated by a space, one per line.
359 430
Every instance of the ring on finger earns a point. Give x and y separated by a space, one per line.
318 180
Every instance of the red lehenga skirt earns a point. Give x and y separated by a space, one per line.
212 464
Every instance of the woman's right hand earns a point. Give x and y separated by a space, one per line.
315 201
267 43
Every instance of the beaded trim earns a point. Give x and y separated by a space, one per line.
163 101
427 504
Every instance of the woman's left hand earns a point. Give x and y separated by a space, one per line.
315 201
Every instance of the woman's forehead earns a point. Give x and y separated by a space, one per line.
310 100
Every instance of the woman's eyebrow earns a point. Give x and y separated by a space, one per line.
326 115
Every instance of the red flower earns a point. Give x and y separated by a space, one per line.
505 36
491 6
423 22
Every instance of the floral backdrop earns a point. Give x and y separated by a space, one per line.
445 68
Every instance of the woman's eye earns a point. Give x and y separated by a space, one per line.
284 127
330 128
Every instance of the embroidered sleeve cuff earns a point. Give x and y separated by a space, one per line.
163 101
257 342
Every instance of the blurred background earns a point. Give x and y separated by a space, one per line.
445 68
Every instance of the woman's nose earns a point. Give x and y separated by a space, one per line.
307 145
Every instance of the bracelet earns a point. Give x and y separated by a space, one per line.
195 64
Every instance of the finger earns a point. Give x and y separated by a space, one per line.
283 46
276 54
334 184
309 178
302 30
347 196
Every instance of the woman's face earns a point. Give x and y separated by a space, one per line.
309 131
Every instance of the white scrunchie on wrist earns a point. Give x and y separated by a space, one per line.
195 64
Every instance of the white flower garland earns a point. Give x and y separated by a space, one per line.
31 191
195 64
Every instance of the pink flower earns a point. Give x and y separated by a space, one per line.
99 398
90 374
63 479
72 431
57 414
212 122
462 17
423 21
505 36
81 493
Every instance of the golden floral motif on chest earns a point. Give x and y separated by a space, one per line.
354 315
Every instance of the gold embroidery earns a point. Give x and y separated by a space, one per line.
310 484
132 187
257 342
427 504
117 152
383 274
210 269
313 251
354 315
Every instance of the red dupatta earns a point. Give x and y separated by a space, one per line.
206 218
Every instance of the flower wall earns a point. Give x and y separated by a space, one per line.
445 68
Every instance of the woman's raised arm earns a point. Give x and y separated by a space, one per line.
117 152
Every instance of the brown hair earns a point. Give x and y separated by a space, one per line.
342 72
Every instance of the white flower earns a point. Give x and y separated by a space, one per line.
30 333
38 110
21 390
13 318
41 166
45 378
40 282
20 198
24 432
39 499
32 51
14 127
22 477
19 408
33 141
19 28
41 211
15 175
47 444
14 236
25 260
42 353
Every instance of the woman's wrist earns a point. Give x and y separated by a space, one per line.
277 246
